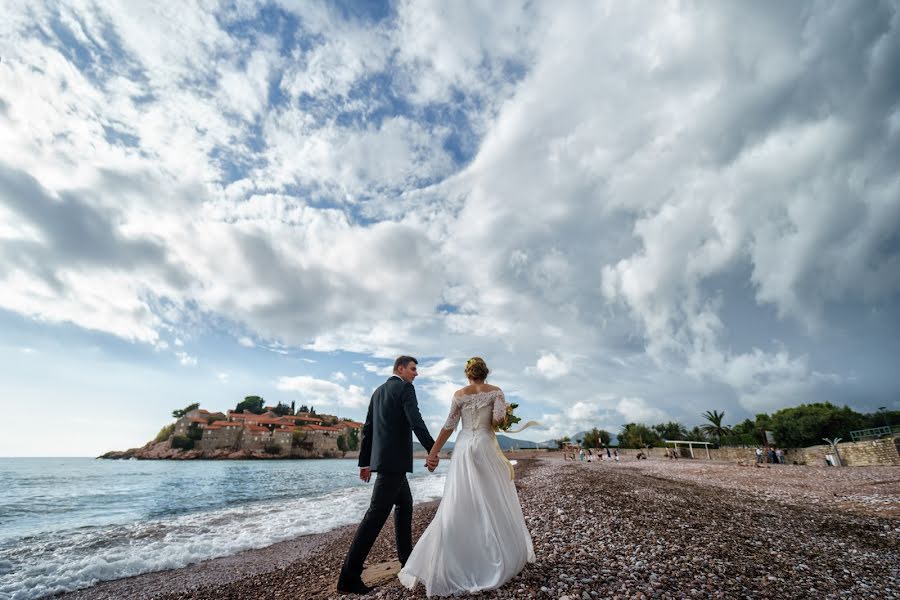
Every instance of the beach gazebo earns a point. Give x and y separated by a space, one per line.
690 446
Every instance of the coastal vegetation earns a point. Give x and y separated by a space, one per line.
165 433
795 427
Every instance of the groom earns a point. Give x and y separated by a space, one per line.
386 448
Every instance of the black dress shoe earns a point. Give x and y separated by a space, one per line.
353 587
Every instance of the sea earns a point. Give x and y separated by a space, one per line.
68 523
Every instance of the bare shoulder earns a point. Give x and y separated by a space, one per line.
476 388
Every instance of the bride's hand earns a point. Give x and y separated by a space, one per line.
432 462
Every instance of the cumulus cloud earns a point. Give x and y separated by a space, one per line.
618 206
637 410
319 392
549 366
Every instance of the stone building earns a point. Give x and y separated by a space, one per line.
222 435
322 438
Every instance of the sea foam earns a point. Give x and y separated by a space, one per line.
69 560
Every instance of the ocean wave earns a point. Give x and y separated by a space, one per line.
74 559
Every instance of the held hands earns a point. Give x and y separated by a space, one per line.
365 473
432 462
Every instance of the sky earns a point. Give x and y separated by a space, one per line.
635 212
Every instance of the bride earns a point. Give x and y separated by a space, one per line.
478 539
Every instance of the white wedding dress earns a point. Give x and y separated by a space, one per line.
478 539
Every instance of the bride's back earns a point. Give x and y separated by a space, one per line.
479 405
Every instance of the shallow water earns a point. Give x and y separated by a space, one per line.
68 523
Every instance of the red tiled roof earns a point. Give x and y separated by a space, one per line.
256 428
320 428
351 424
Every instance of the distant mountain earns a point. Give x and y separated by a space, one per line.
613 440
508 443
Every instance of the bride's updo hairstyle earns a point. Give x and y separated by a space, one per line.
477 369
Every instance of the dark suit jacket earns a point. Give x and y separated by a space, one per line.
386 443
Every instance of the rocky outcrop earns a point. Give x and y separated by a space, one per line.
164 451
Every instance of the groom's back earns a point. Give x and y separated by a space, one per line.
391 440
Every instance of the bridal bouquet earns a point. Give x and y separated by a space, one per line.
511 418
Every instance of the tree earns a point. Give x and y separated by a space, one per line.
561 442
282 409
595 438
251 404
303 409
882 418
715 428
292 407
745 426
807 424
353 440
638 435
762 423
177 414
342 445
695 435
673 430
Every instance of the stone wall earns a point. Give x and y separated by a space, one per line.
853 454
322 441
181 426
283 438
255 440
221 439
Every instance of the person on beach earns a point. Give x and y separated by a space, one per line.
386 449
478 539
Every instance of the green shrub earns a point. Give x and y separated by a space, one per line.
182 442
165 433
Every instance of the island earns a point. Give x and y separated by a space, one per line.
251 431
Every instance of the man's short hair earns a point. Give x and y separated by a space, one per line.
402 361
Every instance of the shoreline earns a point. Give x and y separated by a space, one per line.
184 582
223 570
629 529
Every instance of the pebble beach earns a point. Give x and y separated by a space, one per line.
622 530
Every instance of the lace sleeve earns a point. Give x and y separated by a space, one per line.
499 408
453 417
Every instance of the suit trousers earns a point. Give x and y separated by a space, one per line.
391 490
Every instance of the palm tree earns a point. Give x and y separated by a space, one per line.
715 427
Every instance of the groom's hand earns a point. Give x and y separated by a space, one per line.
432 462
365 473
